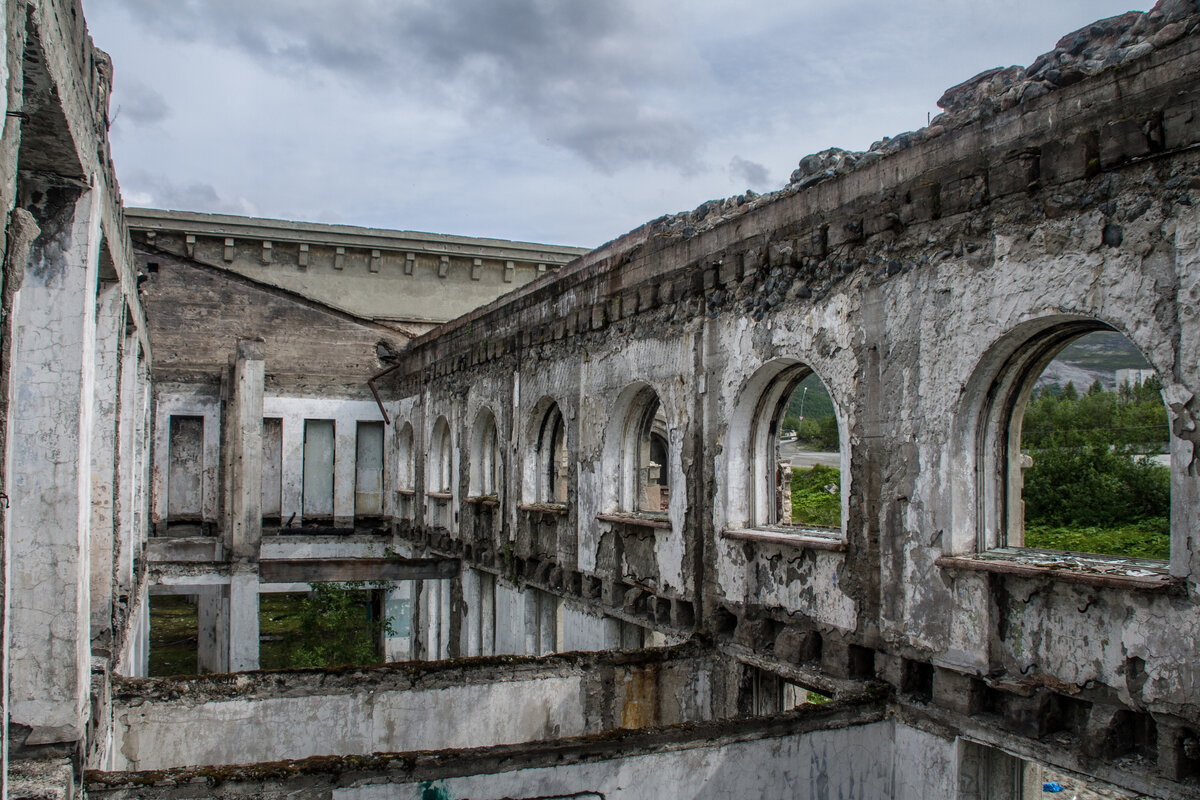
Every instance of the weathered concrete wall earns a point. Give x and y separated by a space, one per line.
402 276
71 318
110 335
907 284
814 752
199 313
233 719
850 762
183 399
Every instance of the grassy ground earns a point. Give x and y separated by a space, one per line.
812 501
278 629
173 626
1149 538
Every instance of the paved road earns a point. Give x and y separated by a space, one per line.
807 458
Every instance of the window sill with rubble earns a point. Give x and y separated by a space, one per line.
638 520
489 500
1115 572
544 508
800 537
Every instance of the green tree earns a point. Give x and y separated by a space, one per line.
337 626
1091 464
820 432
1094 486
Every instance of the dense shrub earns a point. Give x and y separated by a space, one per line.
337 627
1094 486
817 496
820 433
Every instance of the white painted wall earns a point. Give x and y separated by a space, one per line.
851 763
163 734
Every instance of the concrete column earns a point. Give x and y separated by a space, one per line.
244 501
472 622
134 659
428 634
212 612
397 604
48 470
210 485
547 623
141 456
292 484
345 453
487 614
612 634
126 464
110 331
531 619
143 638
243 620
245 462
443 590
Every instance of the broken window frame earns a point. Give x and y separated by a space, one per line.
552 459
439 477
645 415
486 467
1000 528
406 473
769 413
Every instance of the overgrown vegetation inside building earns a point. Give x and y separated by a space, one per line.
1096 482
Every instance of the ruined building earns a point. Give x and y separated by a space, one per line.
564 467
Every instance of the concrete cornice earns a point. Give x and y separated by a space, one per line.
254 228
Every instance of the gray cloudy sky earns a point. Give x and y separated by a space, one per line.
566 121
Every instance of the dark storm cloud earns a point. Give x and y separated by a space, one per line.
582 75
143 189
753 173
139 103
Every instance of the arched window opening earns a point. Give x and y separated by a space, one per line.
485 457
797 456
645 467
439 477
552 458
405 472
1085 458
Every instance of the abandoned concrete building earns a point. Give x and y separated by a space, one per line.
563 467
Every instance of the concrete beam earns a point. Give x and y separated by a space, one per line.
307 570
357 569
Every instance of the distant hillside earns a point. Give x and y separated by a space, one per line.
815 403
1096 356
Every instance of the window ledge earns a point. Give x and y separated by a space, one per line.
544 508
485 500
439 495
803 539
637 520
1113 573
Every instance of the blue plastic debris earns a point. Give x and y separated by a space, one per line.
1054 787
